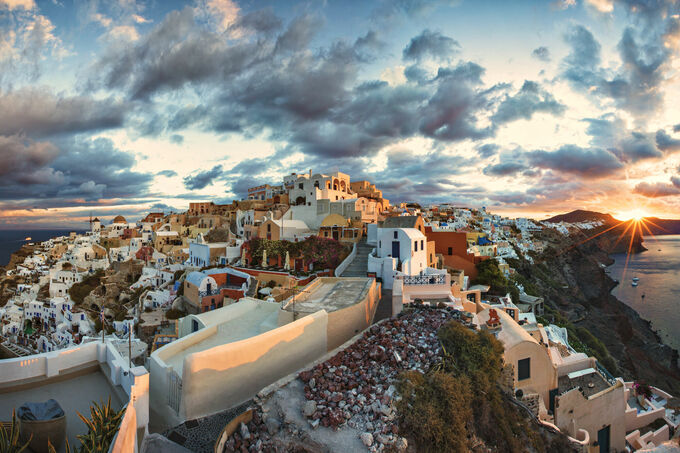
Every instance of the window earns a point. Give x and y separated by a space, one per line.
395 235
523 369
269 228
421 245
415 244
450 250
300 185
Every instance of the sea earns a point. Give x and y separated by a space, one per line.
658 271
12 240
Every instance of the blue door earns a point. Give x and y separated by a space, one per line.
395 249
603 439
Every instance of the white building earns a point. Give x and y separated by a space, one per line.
399 251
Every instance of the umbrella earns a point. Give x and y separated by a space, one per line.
243 257
286 264
264 258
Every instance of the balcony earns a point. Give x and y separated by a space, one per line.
431 279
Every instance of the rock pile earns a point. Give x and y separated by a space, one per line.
355 387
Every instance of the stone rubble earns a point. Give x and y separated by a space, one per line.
354 387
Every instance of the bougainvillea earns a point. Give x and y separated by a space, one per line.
321 253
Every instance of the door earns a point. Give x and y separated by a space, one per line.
194 325
336 235
603 439
395 249
551 396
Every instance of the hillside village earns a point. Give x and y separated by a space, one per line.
295 310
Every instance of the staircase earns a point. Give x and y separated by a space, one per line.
359 265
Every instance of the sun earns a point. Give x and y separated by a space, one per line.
635 214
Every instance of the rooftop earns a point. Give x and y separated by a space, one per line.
330 294
74 392
589 381
239 321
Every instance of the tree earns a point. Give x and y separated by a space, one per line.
488 273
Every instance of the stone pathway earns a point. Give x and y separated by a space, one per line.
200 435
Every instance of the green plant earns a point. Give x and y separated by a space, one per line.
102 427
9 438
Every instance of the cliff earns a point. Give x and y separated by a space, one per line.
569 274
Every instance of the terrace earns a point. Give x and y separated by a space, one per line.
589 381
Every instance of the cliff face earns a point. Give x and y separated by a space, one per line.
570 276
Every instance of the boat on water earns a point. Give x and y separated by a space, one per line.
28 238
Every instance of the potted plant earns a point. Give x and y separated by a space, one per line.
9 437
642 391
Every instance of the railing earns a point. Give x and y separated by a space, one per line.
342 267
433 279
174 391
605 374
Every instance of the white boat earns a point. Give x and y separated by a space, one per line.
634 283
636 279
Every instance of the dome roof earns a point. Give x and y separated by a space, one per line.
119 219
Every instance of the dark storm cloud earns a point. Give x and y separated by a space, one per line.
530 99
430 44
202 179
299 33
541 53
38 112
638 146
261 21
667 143
67 168
572 159
656 190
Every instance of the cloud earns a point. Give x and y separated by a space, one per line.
667 143
504 169
54 171
530 99
39 112
17 4
432 44
176 139
203 178
541 53
167 173
487 150
656 190
162 207
572 159
602 6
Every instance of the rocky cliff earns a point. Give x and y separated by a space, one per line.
571 277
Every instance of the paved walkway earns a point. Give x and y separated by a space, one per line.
359 265
384 309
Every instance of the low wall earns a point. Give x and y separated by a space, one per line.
346 323
346 262
49 364
227 375
126 439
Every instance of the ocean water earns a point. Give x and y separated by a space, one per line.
659 272
12 240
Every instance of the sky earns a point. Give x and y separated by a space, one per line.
529 108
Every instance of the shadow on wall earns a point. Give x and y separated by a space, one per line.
225 376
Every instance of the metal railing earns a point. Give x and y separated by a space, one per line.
435 279
605 374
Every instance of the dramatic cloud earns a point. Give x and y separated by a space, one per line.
585 162
430 44
39 112
202 179
504 169
530 99
656 190
667 143
541 53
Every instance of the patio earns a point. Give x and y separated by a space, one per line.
74 392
